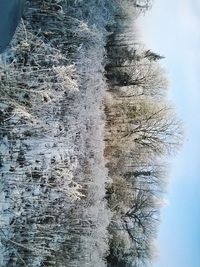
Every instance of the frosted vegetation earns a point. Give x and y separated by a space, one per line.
84 131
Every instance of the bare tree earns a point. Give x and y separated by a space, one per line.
133 231
143 77
145 124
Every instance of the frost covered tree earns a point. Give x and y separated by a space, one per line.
145 124
133 226
125 56
142 77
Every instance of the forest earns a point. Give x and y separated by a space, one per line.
86 133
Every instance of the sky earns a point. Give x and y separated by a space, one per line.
172 28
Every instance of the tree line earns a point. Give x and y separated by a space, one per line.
142 129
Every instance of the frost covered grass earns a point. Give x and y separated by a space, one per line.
51 161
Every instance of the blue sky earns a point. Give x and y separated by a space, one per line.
172 28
